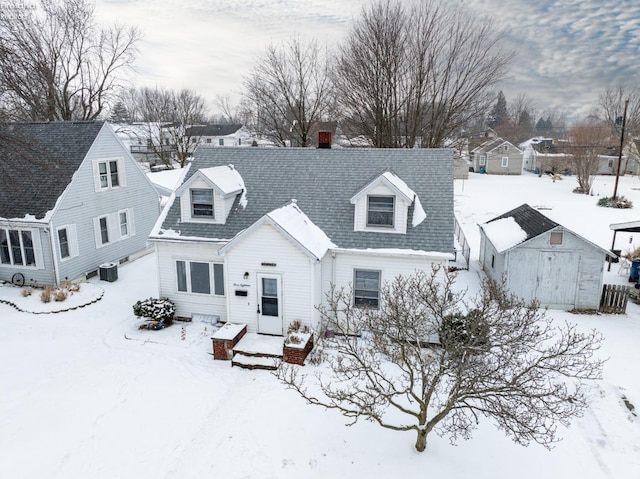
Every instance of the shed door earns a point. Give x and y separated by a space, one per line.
558 278
270 304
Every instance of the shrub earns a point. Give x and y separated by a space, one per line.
26 292
158 309
60 294
617 202
45 296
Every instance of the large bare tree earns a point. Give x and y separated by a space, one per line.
167 118
290 89
611 107
589 139
56 63
413 75
496 357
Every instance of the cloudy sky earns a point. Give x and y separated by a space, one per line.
567 51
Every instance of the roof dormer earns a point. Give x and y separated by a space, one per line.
208 195
383 206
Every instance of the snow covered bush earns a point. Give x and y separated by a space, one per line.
617 202
158 309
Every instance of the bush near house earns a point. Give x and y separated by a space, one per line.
161 310
617 202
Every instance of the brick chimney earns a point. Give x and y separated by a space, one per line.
324 139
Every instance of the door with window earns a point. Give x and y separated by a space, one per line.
270 304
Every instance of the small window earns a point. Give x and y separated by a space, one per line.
493 260
483 160
63 242
556 237
202 203
208 140
505 161
239 141
221 141
181 268
380 210
506 147
124 224
108 174
104 230
366 292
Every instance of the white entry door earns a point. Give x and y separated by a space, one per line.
270 304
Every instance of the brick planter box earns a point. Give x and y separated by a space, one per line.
225 339
296 353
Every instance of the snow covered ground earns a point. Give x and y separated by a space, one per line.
85 394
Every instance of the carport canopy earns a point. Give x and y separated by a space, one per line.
628 227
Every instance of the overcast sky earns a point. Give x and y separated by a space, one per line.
568 51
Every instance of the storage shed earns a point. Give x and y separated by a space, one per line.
542 260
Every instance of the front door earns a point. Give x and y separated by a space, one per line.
270 304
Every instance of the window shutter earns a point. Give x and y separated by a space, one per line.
37 248
96 231
122 174
96 176
132 223
73 240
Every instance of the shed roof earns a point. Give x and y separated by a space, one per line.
322 181
213 130
37 162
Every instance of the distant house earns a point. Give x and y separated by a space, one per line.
258 235
220 135
542 260
497 157
148 142
632 154
546 155
71 198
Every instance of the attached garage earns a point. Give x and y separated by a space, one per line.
542 260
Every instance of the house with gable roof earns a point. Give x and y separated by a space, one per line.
542 260
71 199
497 156
258 235
220 134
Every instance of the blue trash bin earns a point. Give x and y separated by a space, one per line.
482 170
634 271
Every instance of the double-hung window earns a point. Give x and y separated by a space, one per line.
16 247
63 242
108 173
380 210
104 230
202 203
366 291
123 218
200 277
505 161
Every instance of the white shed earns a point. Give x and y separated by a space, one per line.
542 260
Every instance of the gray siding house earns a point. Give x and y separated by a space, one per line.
497 157
258 235
542 260
71 199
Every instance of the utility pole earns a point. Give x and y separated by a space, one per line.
624 121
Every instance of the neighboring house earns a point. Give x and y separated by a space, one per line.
258 235
148 142
632 154
220 135
542 260
71 198
546 155
497 157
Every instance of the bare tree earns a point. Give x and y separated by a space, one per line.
290 89
497 357
589 139
57 64
407 76
168 117
611 105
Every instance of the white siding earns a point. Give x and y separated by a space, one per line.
256 253
189 303
221 204
42 273
80 204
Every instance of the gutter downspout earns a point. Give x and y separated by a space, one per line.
54 258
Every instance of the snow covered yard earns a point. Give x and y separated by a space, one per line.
85 394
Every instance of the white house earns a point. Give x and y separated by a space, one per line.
71 199
220 135
542 260
258 235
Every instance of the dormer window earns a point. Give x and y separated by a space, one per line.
202 203
380 210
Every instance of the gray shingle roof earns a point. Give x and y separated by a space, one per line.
213 130
323 181
37 162
532 222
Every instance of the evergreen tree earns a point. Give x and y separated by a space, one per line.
499 114
120 114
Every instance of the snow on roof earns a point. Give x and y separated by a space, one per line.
298 225
504 233
225 177
419 214
400 185
169 179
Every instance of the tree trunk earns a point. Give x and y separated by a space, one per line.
421 440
